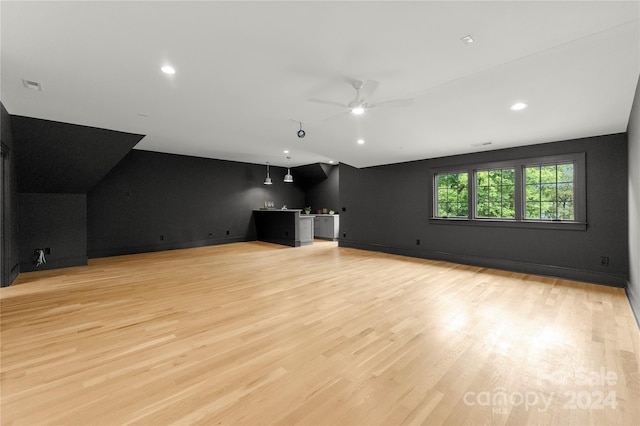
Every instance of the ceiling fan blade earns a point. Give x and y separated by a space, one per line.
334 116
395 103
322 101
368 89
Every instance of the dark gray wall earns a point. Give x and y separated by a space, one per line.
9 263
56 164
633 288
325 194
63 158
55 221
152 201
387 209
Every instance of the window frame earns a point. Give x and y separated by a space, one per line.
450 172
474 195
580 209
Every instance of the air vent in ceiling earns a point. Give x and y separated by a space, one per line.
33 85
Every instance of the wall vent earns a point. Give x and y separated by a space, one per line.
33 85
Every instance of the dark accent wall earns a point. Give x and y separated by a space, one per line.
54 221
152 201
633 287
63 158
325 193
56 165
9 263
387 209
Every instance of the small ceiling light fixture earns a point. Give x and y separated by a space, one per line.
288 177
467 39
168 69
518 106
360 141
286 151
359 110
33 85
267 180
301 133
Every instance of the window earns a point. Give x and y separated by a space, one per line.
453 195
532 192
495 193
549 192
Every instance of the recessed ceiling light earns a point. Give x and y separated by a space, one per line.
168 69
467 39
33 85
330 161
360 141
286 151
357 110
518 106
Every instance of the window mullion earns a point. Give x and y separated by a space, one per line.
520 190
471 194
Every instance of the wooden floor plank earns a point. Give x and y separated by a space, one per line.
255 333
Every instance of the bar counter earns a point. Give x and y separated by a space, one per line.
287 227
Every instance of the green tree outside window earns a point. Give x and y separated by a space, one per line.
453 194
495 193
549 193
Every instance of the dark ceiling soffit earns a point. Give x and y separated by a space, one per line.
56 157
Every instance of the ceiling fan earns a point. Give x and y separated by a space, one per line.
360 104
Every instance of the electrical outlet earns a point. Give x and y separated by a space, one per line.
161 237
604 261
344 235
227 232
417 242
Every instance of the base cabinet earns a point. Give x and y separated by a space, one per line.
326 227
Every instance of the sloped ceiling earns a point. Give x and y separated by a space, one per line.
311 174
245 71
53 157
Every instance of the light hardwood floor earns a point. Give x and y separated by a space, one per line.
254 333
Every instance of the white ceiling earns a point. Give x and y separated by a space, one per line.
245 72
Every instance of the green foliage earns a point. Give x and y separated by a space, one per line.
549 192
548 195
453 195
496 193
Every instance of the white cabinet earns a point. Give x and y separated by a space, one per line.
326 226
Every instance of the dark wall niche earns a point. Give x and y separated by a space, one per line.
54 221
387 209
152 201
325 193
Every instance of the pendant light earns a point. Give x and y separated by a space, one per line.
267 180
288 177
